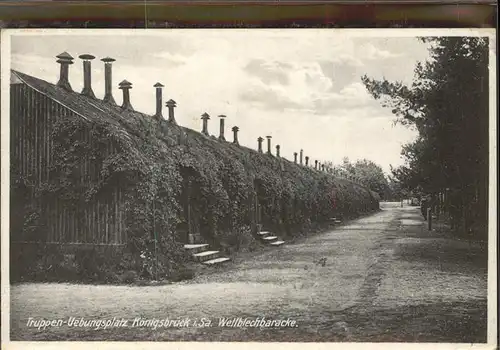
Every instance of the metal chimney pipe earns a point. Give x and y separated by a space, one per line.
278 151
301 154
221 131
307 160
87 75
269 144
159 103
171 104
205 117
125 86
108 81
235 135
259 140
295 157
64 59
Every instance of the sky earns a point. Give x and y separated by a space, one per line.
302 87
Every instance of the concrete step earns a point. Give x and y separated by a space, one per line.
263 233
269 238
196 248
216 261
206 255
277 243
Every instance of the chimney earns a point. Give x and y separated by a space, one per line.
316 164
65 60
307 160
108 84
295 157
171 104
301 154
125 86
235 135
205 117
323 167
159 103
221 132
269 144
278 151
87 75
259 140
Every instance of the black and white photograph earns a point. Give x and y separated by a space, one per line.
231 185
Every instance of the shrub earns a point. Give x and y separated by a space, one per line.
181 274
129 277
240 239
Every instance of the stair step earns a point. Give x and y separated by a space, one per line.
205 253
277 243
269 238
262 233
216 261
195 246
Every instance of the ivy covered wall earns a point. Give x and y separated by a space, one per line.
148 161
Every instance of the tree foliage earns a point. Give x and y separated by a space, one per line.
365 172
447 103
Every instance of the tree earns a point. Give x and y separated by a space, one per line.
365 171
447 103
396 191
372 176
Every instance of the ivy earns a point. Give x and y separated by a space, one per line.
152 167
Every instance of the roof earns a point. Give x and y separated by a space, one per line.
108 59
65 55
86 107
123 123
86 56
128 124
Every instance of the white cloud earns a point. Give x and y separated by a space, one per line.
370 52
348 60
303 89
170 58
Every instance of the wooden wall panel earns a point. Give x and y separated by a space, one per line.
32 117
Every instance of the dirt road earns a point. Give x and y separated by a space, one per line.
379 278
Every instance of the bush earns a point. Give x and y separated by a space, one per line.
238 240
181 274
129 277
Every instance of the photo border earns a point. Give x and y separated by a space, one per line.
249 14
492 224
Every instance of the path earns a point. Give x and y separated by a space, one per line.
385 278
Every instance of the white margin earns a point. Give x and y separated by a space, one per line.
411 32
